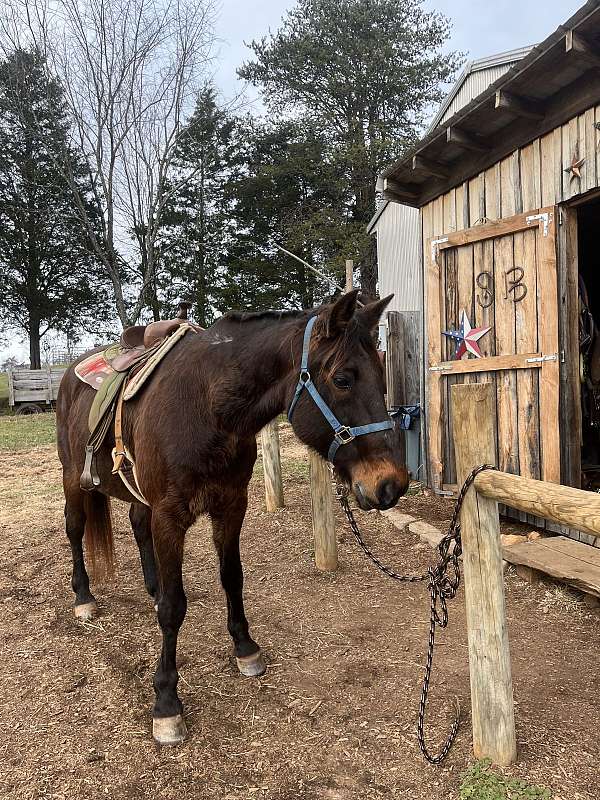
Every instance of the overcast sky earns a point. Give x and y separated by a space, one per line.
479 29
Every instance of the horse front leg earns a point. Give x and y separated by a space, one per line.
227 523
168 534
140 517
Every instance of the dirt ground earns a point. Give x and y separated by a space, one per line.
333 718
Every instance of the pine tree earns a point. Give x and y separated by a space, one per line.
287 193
198 225
365 72
48 278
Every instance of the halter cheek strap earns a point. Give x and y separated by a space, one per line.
342 434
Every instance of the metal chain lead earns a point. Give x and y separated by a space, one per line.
442 588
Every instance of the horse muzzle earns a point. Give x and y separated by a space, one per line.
380 489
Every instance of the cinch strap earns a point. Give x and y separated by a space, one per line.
342 433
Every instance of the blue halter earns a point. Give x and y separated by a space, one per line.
342 433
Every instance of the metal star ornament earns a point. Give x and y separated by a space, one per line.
467 337
575 167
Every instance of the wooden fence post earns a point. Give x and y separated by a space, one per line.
349 276
321 496
489 656
269 437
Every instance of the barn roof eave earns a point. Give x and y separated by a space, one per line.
557 80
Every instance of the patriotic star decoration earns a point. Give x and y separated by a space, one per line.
575 166
467 337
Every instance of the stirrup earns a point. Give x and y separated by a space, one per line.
89 479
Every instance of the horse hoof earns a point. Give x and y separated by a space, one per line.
169 730
252 666
86 611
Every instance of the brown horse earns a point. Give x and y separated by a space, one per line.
192 433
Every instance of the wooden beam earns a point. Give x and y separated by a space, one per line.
397 192
492 708
422 164
520 106
561 504
489 364
463 139
576 45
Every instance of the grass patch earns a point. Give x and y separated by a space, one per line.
27 431
480 782
3 390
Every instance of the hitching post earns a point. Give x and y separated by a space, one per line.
323 520
269 437
492 707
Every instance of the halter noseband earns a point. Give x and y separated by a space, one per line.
342 434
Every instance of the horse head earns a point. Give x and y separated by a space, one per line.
338 408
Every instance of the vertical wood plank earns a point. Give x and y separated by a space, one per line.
489 653
548 339
321 496
588 138
449 320
492 193
434 354
559 176
528 178
269 437
506 385
526 341
395 360
507 187
570 384
548 189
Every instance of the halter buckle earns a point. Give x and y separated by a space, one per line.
305 376
344 435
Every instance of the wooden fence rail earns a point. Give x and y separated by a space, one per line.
489 655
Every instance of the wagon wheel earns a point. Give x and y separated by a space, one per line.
29 408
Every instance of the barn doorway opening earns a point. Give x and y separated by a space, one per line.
588 226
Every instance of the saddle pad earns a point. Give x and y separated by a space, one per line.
140 377
94 370
105 397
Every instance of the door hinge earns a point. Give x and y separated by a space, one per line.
546 218
541 359
440 368
435 243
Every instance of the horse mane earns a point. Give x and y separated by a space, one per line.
335 353
257 316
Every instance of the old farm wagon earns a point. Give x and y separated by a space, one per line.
508 192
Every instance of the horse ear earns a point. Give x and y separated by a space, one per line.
371 313
336 318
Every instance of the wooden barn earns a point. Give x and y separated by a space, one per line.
508 192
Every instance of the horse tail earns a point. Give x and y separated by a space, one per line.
99 534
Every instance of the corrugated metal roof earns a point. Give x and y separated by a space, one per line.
497 64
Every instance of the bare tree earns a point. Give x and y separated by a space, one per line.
131 70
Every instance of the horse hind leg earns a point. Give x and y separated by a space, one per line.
226 536
140 517
85 602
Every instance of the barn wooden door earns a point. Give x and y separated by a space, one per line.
503 275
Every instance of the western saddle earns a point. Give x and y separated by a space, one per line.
145 336
129 364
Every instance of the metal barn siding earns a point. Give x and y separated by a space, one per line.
475 79
398 231
475 83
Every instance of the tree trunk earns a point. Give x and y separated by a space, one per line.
35 361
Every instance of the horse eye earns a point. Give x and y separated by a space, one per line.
342 381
